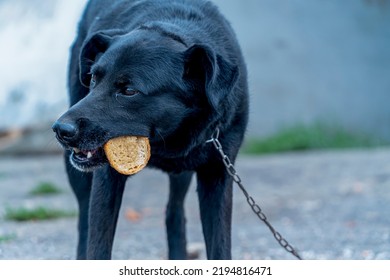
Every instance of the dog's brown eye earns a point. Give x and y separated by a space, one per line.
129 91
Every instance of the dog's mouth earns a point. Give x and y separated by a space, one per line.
87 160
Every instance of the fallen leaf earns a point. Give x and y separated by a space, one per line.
132 215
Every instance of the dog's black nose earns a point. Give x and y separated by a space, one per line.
64 131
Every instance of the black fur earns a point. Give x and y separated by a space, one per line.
171 71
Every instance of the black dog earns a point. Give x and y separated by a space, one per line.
169 70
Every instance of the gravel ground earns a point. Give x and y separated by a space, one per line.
330 205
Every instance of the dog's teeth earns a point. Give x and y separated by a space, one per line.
89 155
76 150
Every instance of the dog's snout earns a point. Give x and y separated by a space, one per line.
65 131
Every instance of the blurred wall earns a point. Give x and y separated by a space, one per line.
308 61
316 61
35 36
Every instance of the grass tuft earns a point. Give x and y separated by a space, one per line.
45 188
301 138
7 238
40 213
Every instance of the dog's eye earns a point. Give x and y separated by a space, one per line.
129 91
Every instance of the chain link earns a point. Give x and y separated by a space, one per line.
255 207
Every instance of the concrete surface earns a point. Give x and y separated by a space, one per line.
330 205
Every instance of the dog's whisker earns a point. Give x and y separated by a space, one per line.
161 136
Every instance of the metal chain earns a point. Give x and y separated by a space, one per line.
255 207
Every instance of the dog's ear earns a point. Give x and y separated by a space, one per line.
92 48
209 72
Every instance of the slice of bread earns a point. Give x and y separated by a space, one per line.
128 154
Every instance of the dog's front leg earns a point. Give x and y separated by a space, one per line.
105 202
81 184
215 201
175 219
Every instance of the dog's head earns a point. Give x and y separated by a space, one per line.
146 83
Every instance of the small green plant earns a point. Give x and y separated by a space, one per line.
45 188
7 238
300 138
40 213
